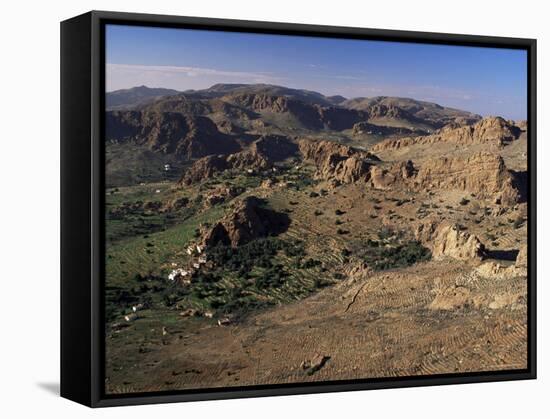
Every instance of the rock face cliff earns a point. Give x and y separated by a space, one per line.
204 168
494 131
310 115
336 161
447 240
483 174
170 133
260 155
386 178
431 114
249 220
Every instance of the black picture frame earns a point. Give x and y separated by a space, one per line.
82 203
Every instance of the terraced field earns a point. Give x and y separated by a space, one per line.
385 320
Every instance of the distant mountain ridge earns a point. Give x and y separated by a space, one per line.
228 118
423 110
135 96
433 113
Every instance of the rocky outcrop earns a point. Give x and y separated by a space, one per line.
451 298
169 132
385 178
310 115
260 155
379 110
336 161
306 113
494 270
221 194
450 241
382 179
445 239
176 204
430 114
248 159
263 152
204 168
229 127
494 131
249 220
483 174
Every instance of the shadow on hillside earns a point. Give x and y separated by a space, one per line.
276 222
509 255
519 181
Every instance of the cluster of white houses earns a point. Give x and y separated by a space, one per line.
184 275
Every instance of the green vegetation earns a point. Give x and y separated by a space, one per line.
391 250
131 164
254 275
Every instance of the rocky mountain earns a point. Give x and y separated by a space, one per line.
169 133
249 220
493 131
128 98
261 154
431 114
337 162
483 174
239 127
234 106
186 104
306 96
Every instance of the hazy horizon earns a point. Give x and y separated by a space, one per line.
486 81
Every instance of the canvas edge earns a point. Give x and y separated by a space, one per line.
97 398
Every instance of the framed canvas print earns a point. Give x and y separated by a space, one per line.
254 209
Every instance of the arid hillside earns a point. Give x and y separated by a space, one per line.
264 235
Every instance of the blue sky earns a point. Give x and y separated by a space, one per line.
487 81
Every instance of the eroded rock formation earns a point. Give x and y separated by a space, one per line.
204 168
483 174
448 240
336 161
249 220
492 130
260 155
169 132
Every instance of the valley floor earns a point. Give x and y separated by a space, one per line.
432 318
